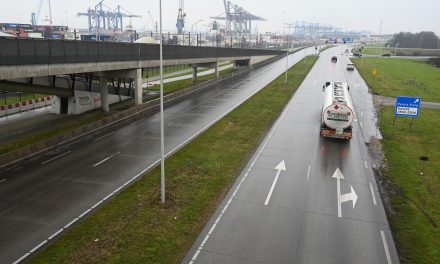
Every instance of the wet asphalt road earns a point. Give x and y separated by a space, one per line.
41 197
273 215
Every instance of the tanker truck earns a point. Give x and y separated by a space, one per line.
337 111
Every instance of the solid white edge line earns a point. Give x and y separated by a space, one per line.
108 196
22 258
385 245
38 246
55 234
3 180
372 194
56 157
101 137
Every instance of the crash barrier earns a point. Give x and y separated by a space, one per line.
26 105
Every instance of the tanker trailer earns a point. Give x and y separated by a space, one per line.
337 111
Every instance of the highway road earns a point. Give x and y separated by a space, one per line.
42 197
303 199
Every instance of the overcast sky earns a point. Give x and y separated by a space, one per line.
396 15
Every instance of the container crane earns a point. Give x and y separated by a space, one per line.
180 18
35 16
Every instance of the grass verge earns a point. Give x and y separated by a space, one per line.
414 184
135 228
401 77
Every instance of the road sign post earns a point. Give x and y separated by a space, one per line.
407 106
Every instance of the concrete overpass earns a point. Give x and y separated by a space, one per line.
25 59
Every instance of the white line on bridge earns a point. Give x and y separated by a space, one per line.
56 157
104 160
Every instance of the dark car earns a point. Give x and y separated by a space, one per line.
357 54
334 59
386 55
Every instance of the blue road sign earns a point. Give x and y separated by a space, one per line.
407 106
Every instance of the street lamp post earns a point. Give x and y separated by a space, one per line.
162 143
395 50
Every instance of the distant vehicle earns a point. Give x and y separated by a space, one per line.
386 55
350 67
337 114
357 54
334 59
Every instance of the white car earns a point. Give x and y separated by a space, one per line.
350 67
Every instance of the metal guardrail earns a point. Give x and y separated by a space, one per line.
47 51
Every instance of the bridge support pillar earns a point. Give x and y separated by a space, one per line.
104 94
194 68
138 87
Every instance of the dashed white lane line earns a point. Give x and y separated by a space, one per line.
3 180
56 157
22 258
366 165
308 173
104 136
372 194
38 246
385 245
55 234
104 160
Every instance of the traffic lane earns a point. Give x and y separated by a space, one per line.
82 201
253 233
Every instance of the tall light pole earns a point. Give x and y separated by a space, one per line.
395 50
162 143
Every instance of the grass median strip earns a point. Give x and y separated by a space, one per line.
414 184
135 228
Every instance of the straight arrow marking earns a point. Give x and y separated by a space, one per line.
280 167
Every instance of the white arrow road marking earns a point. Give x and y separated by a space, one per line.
351 196
280 167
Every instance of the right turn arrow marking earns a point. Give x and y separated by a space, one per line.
351 196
